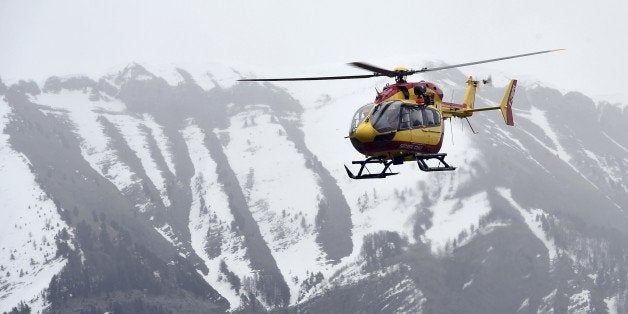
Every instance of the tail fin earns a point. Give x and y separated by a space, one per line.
506 104
469 96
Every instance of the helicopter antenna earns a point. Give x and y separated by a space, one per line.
451 130
470 126
461 126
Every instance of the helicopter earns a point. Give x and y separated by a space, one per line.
405 122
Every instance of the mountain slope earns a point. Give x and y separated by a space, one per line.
180 194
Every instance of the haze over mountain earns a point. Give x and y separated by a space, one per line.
179 190
43 38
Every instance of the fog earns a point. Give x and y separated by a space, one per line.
41 38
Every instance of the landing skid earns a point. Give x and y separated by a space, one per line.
442 166
420 158
371 160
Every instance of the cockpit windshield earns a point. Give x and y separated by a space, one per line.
359 116
385 117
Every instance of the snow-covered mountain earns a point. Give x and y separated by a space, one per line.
154 190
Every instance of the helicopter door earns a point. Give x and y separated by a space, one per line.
431 128
416 118
422 123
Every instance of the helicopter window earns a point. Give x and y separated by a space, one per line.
359 116
416 118
386 116
405 118
431 117
436 117
428 117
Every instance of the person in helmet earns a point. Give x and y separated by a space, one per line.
426 93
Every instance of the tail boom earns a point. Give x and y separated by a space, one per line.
467 108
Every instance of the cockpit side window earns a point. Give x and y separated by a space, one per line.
386 116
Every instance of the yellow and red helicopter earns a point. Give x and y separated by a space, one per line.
405 122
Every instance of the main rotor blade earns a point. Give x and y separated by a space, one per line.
377 71
316 78
479 62
374 69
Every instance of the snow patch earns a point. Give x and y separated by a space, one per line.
167 232
580 302
491 226
209 75
210 220
29 223
547 304
162 140
203 78
134 132
284 206
466 284
413 298
505 138
453 217
530 218
539 118
168 72
615 142
349 274
95 145
613 173
524 304
611 304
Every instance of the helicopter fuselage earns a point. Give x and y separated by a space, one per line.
406 119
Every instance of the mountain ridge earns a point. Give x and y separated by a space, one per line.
369 244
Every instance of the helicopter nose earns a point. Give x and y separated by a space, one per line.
363 133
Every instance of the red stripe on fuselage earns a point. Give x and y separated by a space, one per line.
391 90
453 105
375 148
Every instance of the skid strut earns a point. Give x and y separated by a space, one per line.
420 159
371 160
442 166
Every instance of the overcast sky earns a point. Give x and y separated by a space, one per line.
41 38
